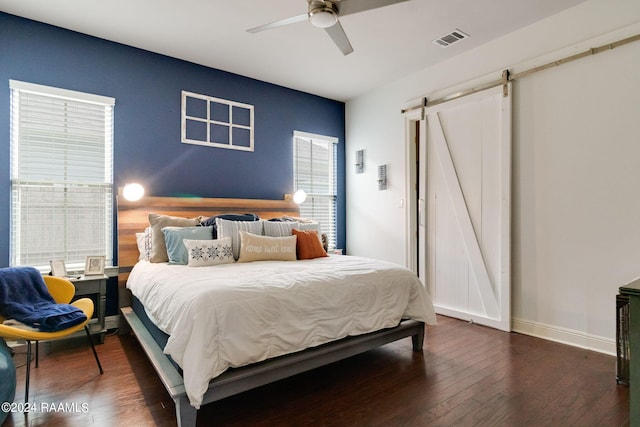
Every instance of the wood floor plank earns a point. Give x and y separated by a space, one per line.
467 375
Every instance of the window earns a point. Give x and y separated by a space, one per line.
215 122
61 176
314 171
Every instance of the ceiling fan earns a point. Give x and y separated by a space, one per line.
325 14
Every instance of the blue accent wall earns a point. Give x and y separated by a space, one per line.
147 131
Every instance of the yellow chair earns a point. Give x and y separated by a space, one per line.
62 291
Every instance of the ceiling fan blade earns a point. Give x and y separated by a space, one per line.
347 7
280 23
339 37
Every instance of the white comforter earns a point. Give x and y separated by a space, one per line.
235 314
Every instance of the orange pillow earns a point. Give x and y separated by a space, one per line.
308 244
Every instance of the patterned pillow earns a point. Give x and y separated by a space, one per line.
279 228
209 252
231 217
230 229
309 226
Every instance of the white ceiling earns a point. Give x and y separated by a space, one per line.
389 42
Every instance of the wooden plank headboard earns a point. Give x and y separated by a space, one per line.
133 217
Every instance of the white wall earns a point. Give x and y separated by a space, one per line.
576 167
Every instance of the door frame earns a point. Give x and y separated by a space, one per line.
411 196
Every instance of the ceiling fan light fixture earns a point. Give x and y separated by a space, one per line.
323 17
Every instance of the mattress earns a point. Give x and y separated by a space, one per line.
232 315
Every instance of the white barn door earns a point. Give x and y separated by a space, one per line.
468 207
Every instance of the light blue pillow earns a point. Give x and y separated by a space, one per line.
174 236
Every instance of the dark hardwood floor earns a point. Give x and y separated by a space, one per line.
468 375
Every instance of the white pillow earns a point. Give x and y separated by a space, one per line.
279 228
209 252
315 226
144 244
226 228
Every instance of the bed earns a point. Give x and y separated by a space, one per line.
292 316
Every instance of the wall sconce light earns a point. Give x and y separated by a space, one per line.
298 197
360 161
133 191
382 177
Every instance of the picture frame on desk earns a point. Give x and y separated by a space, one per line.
58 268
94 265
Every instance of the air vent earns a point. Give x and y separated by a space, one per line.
451 38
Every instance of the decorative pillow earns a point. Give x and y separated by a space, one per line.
173 237
230 217
278 228
308 244
158 222
262 248
202 253
144 244
304 226
228 228
309 226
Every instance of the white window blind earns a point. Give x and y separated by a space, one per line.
61 175
314 169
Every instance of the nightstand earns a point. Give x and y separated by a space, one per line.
94 287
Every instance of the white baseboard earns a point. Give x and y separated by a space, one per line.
111 322
565 336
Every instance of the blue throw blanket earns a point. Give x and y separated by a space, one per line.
25 298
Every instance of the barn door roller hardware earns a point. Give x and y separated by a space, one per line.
507 76
505 83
